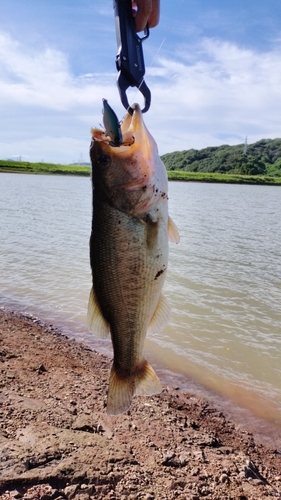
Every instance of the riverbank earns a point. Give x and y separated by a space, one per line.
84 171
56 440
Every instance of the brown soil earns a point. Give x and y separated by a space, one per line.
56 441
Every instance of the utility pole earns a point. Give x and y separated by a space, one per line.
245 146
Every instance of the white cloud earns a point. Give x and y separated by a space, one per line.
219 95
46 108
228 91
42 78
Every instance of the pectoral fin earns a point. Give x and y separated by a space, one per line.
161 316
173 232
96 322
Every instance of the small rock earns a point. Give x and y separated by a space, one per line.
257 482
42 369
224 478
198 455
227 450
70 490
168 456
195 471
251 471
183 458
14 494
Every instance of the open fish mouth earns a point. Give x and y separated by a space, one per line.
118 134
131 164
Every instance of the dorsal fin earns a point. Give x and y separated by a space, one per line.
173 232
161 316
96 322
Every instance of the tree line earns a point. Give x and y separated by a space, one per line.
261 158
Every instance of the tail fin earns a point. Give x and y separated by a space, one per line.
142 382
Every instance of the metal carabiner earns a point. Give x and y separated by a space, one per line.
129 59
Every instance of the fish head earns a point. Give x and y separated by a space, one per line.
131 177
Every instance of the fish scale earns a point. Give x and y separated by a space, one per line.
125 279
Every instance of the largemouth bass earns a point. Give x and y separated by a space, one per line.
129 254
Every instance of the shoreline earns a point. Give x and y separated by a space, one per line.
256 414
173 176
56 439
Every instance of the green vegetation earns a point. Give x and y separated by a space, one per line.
229 164
262 158
176 175
42 168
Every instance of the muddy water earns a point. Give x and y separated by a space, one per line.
224 280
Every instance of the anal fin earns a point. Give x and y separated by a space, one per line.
173 232
96 322
161 316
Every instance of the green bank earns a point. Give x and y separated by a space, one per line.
258 163
173 175
24 167
223 178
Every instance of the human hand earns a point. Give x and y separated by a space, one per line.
148 13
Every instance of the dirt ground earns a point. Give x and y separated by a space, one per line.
56 441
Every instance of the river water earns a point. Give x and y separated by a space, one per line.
223 283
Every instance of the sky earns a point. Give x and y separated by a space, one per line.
213 68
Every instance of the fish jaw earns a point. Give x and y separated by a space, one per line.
133 177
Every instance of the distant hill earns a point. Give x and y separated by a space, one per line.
262 158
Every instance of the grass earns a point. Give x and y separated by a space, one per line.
24 167
225 178
173 175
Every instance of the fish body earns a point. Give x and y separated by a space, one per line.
129 255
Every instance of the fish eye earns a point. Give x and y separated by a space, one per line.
104 160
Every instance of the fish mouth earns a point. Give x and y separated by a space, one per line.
135 136
133 126
142 148
134 176
138 150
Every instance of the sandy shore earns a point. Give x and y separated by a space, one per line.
56 441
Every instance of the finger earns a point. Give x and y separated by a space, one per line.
143 14
155 14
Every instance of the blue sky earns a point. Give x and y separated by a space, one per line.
213 67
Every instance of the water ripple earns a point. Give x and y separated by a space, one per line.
223 284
